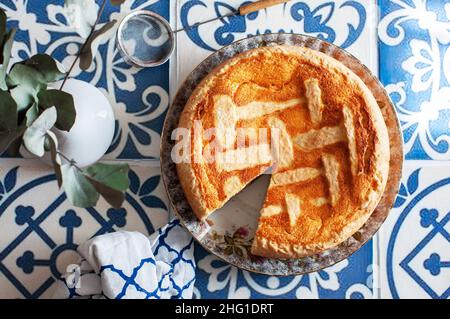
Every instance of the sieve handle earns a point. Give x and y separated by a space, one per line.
259 5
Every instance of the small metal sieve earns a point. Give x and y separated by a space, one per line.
145 39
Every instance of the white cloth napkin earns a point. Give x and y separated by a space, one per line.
129 265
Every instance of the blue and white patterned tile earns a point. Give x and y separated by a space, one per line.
41 230
351 278
415 67
415 239
139 97
349 24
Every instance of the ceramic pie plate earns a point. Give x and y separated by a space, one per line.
228 232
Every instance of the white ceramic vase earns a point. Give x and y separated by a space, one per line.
93 130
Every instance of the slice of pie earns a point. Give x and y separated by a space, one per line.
326 144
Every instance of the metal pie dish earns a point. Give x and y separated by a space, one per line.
228 232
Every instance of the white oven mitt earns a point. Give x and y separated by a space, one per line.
129 265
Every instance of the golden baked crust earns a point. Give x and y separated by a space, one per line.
333 160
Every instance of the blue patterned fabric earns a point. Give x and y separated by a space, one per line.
159 267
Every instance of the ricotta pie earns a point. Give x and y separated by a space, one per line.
331 162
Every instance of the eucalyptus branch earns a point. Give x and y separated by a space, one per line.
27 118
72 162
83 46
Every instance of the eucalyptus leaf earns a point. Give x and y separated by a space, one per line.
10 142
2 25
47 66
99 37
56 160
81 15
8 113
35 135
110 180
112 175
5 55
8 121
64 104
78 189
114 197
32 114
117 2
26 83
